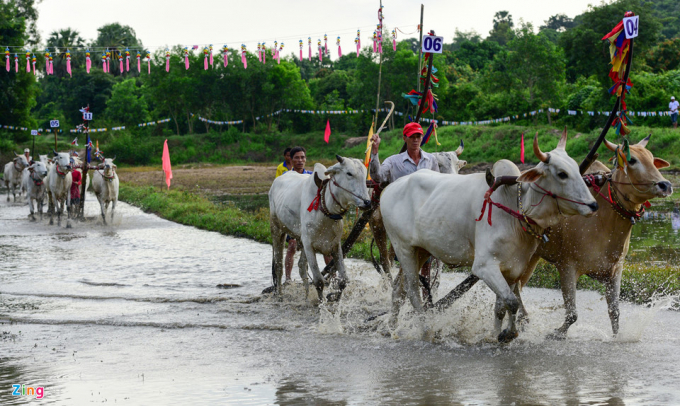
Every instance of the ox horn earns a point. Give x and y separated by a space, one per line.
113 159
542 156
340 159
460 148
55 153
15 154
643 142
563 139
610 145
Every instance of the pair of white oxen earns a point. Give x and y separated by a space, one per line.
52 178
429 213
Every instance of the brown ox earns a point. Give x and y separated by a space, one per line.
597 246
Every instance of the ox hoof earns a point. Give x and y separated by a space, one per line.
507 336
269 290
68 225
334 297
32 219
557 335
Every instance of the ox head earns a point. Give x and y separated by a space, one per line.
640 180
39 168
20 160
558 173
449 162
108 166
350 175
63 161
44 159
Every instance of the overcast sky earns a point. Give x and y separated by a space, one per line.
197 22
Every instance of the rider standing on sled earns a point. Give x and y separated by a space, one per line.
405 163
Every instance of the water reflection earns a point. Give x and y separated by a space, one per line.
656 238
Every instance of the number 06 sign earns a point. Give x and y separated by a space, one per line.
433 44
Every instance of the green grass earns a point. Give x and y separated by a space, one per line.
483 144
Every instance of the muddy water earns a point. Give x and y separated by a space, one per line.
130 314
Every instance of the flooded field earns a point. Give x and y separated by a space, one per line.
131 313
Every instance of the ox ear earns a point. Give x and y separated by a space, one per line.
660 163
460 148
333 170
461 163
317 181
643 142
531 175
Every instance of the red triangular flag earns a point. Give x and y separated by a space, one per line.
166 164
327 135
521 153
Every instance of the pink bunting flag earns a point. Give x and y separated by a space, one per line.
394 40
127 60
320 49
16 63
339 48
325 44
243 56
186 58
327 134
264 53
68 62
358 42
28 62
7 64
309 42
521 150
148 59
211 55
225 54
167 167
301 45
167 60
88 61
104 62
33 60
259 52
206 55
108 61
120 60
139 62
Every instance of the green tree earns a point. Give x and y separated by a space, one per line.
584 49
18 89
127 104
116 38
502 28
532 68
61 41
665 56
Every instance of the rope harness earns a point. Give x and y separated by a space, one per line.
108 178
319 201
60 173
612 199
38 181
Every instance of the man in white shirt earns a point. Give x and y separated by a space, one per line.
396 166
673 107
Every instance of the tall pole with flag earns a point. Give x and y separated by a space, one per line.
88 149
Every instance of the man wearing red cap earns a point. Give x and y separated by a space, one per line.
409 161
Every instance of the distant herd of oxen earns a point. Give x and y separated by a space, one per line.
551 211
51 179
581 223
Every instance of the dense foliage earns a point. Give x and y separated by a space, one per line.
517 68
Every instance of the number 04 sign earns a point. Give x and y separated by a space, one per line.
433 44
631 26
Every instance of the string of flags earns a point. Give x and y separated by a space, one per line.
124 56
645 114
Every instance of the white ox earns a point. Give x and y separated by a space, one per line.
448 161
13 174
430 213
59 178
105 186
34 183
290 197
